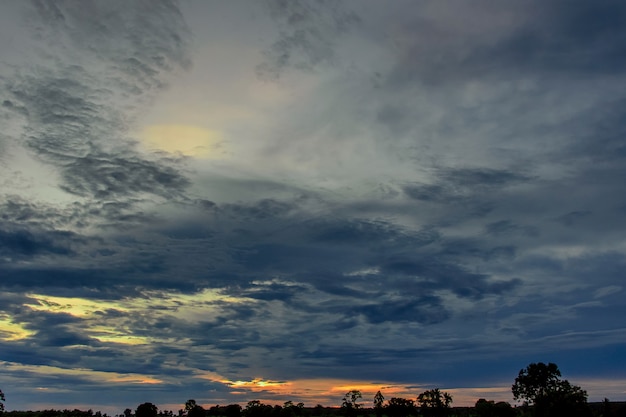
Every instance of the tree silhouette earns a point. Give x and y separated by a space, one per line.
2 399
350 403
400 407
147 410
231 410
434 402
541 386
536 381
192 409
378 404
190 404
484 408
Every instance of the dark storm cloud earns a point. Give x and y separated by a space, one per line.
23 243
425 310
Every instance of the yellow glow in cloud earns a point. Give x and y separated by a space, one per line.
191 307
183 139
255 384
84 309
10 331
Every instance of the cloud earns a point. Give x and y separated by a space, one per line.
432 187
71 110
307 35
23 243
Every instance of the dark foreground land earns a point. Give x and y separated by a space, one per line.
596 409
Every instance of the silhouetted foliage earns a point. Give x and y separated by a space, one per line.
434 403
400 407
256 408
231 410
350 404
290 409
535 381
378 404
484 408
2 399
192 409
147 410
541 386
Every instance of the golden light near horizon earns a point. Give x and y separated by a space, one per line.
187 140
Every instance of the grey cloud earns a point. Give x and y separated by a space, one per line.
72 111
504 227
21 243
141 41
540 40
573 217
65 126
103 176
307 37
425 310
454 183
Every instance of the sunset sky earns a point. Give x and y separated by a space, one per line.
288 199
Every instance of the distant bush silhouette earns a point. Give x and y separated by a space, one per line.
484 408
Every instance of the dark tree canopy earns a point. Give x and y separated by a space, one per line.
400 407
535 381
1 401
350 403
434 402
484 408
541 386
147 410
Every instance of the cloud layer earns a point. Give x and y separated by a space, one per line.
404 196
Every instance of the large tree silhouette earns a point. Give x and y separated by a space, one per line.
434 402
147 410
540 386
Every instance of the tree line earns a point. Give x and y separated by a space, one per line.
539 388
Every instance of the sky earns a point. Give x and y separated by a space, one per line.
284 199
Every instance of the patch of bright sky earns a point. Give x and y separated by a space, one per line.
183 139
